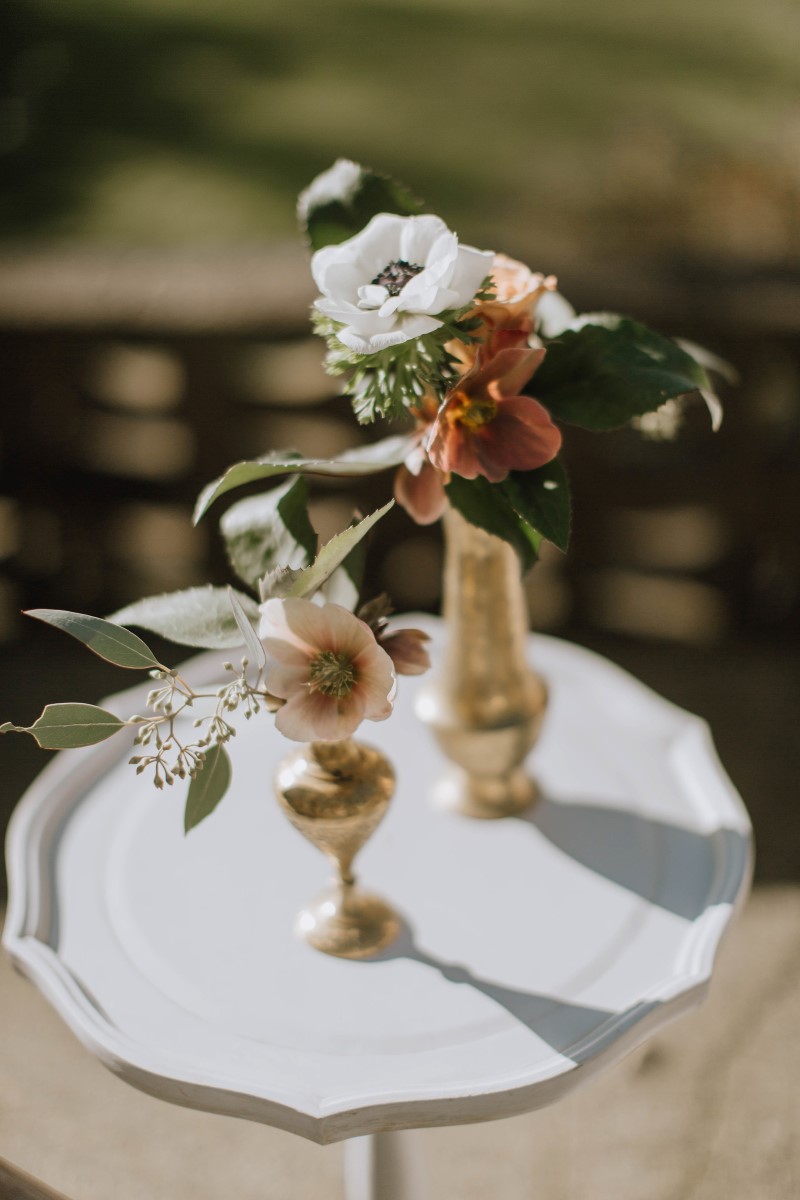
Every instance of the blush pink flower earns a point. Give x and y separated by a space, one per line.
485 427
328 667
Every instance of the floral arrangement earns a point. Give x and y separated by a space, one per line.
477 361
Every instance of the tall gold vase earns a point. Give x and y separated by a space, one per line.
486 706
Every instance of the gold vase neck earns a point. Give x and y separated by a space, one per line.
486 616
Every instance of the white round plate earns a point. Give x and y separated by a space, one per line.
534 951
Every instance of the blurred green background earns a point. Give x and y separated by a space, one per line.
561 127
154 310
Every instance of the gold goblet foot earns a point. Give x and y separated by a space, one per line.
348 923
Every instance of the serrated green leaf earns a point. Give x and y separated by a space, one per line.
104 638
270 529
343 586
341 201
258 654
541 498
208 787
200 617
332 555
66 726
363 460
606 369
486 505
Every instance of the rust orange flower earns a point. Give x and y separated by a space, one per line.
418 486
485 427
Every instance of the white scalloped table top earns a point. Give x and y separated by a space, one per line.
535 951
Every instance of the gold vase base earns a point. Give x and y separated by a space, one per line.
348 924
487 798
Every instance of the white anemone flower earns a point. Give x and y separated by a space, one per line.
387 284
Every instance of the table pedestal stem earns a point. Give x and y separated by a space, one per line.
384 1166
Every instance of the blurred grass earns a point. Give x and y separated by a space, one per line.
550 127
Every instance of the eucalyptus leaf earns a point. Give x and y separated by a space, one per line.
252 641
107 640
486 505
263 531
200 617
67 726
363 460
342 200
208 787
332 555
541 498
607 369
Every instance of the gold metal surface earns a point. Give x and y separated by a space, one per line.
486 707
335 794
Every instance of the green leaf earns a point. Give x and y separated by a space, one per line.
343 199
252 641
363 460
268 529
208 787
200 617
289 582
107 640
486 505
66 726
607 369
344 585
541 498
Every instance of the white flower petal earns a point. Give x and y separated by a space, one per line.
422 299
442 258
553 314
417 237
411 327
339 182
472 267
372 295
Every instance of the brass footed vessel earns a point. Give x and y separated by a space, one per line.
335 794
486 707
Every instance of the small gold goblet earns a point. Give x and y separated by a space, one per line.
335 794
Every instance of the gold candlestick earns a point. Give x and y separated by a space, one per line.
335 794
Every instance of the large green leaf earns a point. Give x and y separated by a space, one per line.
486 505
541 497
344 585
288 582
363 460
111 642
208 787
200 617
343 199
270 529
611 369
67 726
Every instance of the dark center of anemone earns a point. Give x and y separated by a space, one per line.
395 275
332 674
